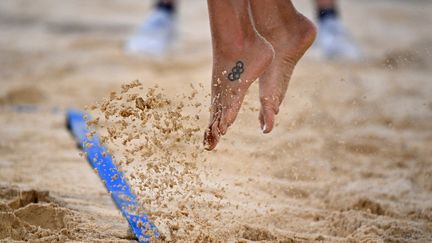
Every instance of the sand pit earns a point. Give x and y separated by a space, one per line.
349 161
29 215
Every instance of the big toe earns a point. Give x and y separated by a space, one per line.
229 115
212 135
267 116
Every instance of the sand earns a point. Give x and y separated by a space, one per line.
349 161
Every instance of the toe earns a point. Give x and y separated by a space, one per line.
267 115
261 119
223 123
268 120
211 135
223 126
229 115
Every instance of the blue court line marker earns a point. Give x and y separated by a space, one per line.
116 185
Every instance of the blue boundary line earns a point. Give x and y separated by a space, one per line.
113 179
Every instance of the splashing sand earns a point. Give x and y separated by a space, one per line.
158 146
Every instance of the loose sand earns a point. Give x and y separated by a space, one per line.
350 159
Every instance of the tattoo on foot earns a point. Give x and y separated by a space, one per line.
236 71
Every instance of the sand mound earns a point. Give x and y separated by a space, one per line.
30 215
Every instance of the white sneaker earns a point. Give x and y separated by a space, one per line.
155 36
335 42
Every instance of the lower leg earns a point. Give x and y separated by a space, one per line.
333 38
290 34
323 4
167 5
240 55
326 8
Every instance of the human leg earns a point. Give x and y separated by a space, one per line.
333 39
290 34
240 56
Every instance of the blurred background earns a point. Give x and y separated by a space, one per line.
66 44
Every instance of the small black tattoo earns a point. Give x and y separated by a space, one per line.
236 71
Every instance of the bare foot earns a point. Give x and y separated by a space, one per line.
291 40
234 70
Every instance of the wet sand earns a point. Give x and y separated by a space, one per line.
349 161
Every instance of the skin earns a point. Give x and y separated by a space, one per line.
269 37
318 3
290 34
234 39
243 30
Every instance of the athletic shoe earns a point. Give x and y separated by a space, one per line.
155 36
334 40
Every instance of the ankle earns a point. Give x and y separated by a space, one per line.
307 31
298 29
240 44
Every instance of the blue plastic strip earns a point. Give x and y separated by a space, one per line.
120 191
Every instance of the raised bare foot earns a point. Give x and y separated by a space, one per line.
293 37
234 69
